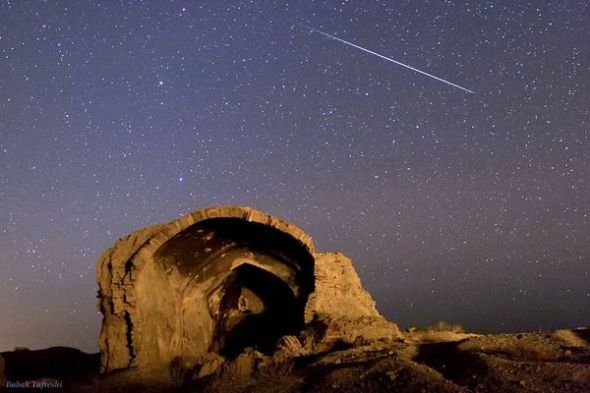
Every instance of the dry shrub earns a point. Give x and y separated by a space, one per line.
278 377
442 326
277 371
179 370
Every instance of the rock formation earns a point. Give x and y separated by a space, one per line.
221 282
229 299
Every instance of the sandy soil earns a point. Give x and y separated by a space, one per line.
443 362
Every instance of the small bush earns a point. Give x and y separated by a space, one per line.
442 326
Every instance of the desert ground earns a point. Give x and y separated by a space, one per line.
420 360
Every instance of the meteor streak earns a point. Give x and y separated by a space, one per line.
388 59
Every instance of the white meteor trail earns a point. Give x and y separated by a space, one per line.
388 59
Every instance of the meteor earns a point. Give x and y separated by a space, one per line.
388 59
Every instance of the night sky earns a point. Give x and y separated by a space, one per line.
468 208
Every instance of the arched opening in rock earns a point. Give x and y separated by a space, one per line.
240 284
256 310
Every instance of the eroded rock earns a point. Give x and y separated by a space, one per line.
221 280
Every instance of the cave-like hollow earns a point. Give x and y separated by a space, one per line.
256 310
239 284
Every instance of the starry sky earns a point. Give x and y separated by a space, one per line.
468 208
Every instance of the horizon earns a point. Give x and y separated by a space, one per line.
468 208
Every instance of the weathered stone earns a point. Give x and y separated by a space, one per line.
338 290
340 308
220 280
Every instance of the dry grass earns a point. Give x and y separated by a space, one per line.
569 338
442 326
529 351
278 377
277 371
